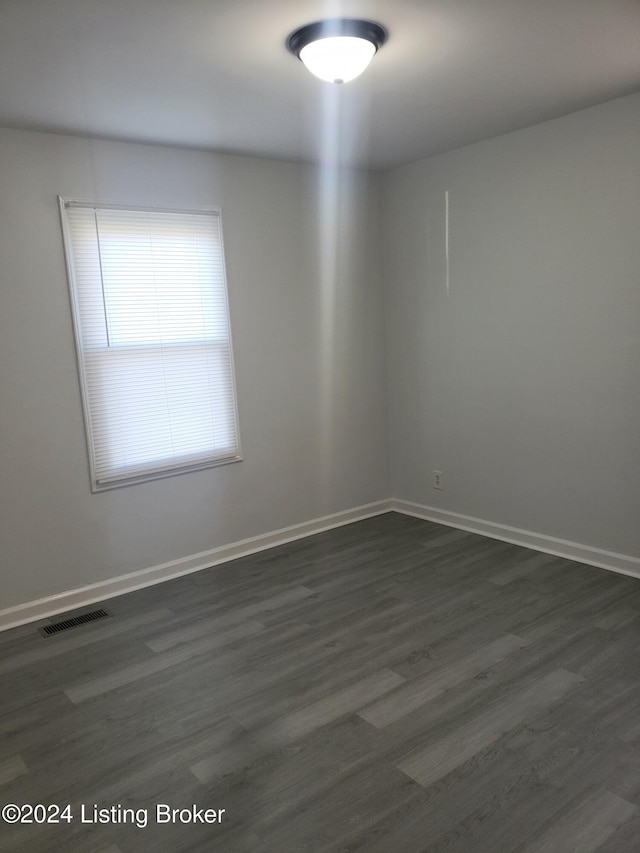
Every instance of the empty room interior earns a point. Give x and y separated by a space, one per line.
319 426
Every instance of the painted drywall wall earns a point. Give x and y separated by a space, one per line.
514 366
307 318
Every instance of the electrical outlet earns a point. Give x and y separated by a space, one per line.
438 480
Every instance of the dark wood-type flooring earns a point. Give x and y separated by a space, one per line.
392 686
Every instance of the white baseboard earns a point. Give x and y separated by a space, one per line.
52 605
620 563
81 597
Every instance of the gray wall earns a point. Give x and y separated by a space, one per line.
522 383
308 326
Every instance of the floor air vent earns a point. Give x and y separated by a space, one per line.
65 624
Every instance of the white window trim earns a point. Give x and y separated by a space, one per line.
105 484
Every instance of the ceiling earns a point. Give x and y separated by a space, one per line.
216 74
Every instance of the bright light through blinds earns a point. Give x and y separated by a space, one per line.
153 339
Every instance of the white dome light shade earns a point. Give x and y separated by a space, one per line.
339 49
338 59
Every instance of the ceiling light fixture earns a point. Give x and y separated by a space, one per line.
339 49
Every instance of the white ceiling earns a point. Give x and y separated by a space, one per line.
216 74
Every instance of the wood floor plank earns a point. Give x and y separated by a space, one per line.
172 658
515 570
300 723
407 698
354 801
92 633
624 839
438 758
391 685
586 827
11 768
208 632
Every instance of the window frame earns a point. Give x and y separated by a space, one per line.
106 484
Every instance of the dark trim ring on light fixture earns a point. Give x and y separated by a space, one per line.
337 50
332 27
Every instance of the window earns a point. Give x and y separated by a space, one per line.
153 338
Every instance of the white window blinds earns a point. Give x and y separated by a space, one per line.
153 338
